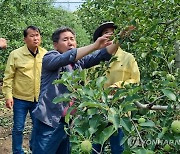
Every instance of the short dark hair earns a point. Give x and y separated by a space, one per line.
56 34
25 33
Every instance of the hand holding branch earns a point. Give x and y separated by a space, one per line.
3 43
126 32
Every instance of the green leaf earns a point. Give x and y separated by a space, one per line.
169 94
114 118
82 129
160 135
95 121
92 111
126 124
92 130
58 81
151 29
88 91
130 107
134 90
78 121
100 81
133 22
143 151
63 98
76 79
105 134
171 58
92 104
67 117
125 138
127 152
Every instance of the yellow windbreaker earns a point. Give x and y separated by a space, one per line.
124 69
23 74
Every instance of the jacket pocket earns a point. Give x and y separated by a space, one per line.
23 87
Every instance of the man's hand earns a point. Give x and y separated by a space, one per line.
9 103
103 41
3 43
126 32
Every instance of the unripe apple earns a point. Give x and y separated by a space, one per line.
86 146
142 39
176 126
141 120
170 77
149 152
167 148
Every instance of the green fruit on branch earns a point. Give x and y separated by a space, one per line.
170 77
176 126
149 152
141 120
86 146
142 39
164 130
167 148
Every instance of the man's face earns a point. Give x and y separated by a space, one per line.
108 30
66 42
33 39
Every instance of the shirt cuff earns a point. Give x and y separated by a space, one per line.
8 95
106 54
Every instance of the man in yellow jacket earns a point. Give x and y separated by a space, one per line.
121 72
21 83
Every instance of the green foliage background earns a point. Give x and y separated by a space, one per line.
17 15
157 22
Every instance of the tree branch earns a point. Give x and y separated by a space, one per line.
154 107
168 22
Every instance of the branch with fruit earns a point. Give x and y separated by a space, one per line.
154 107
151 105
125 33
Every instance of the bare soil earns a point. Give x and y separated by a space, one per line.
6 123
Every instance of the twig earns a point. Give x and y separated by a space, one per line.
148 106
142 142
151 104
154 107
168 22
96 151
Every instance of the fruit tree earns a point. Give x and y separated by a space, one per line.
100 112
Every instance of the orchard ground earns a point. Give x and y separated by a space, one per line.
6 117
